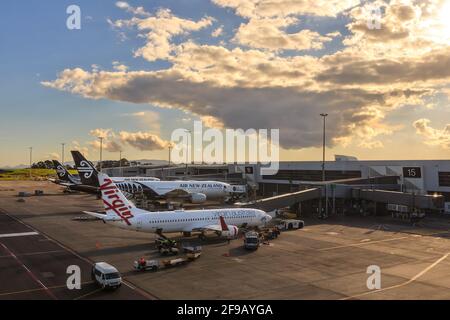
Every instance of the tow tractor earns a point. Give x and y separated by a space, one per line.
192 253
290 224
166 246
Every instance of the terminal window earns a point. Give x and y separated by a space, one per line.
313 175
444 179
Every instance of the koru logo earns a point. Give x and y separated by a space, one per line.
60 171
85 168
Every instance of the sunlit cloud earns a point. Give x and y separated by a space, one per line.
432 136
249 82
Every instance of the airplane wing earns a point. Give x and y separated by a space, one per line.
211 227
177 193
214 227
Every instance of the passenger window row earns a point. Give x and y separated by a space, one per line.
130 187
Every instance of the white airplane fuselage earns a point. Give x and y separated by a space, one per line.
211 189
189 220
137 179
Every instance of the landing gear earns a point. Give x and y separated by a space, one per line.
202 236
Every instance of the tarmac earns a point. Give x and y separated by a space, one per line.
328 259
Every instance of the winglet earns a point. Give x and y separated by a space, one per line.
223 224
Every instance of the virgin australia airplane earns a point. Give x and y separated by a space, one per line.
122 213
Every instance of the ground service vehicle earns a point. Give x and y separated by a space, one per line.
106 275
251 240
290 224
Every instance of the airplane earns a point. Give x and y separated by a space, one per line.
75 183
69 181
63 174
193 191
123 214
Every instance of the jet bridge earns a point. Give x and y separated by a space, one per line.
281 201
419 201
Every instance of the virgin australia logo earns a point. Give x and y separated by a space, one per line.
86 169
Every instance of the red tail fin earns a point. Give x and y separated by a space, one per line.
223 224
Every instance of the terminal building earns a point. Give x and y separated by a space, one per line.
415 177
418 176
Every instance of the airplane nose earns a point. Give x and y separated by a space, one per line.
265 217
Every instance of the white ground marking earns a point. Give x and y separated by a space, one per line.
421 273
22 234
362 243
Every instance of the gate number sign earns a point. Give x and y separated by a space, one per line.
412 172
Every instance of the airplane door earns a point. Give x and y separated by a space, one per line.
139 225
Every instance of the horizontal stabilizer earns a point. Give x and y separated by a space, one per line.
102 216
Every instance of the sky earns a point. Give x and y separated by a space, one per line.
135 71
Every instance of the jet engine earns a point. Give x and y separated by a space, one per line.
198 197
231 233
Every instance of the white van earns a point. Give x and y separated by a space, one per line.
106 275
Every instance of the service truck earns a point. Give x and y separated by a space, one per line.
251 240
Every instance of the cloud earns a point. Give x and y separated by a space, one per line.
251 83
119 67
109 142
212 122
290 109
150 119
143 141
217 32
433 137
355 69
159 30
76 146
134 10
269 33
54 155
282 8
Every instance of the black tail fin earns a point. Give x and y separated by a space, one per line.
62 172
86 169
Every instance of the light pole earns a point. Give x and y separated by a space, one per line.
120 163
188 132
101 153
31 158
324 115
62 153
170 154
